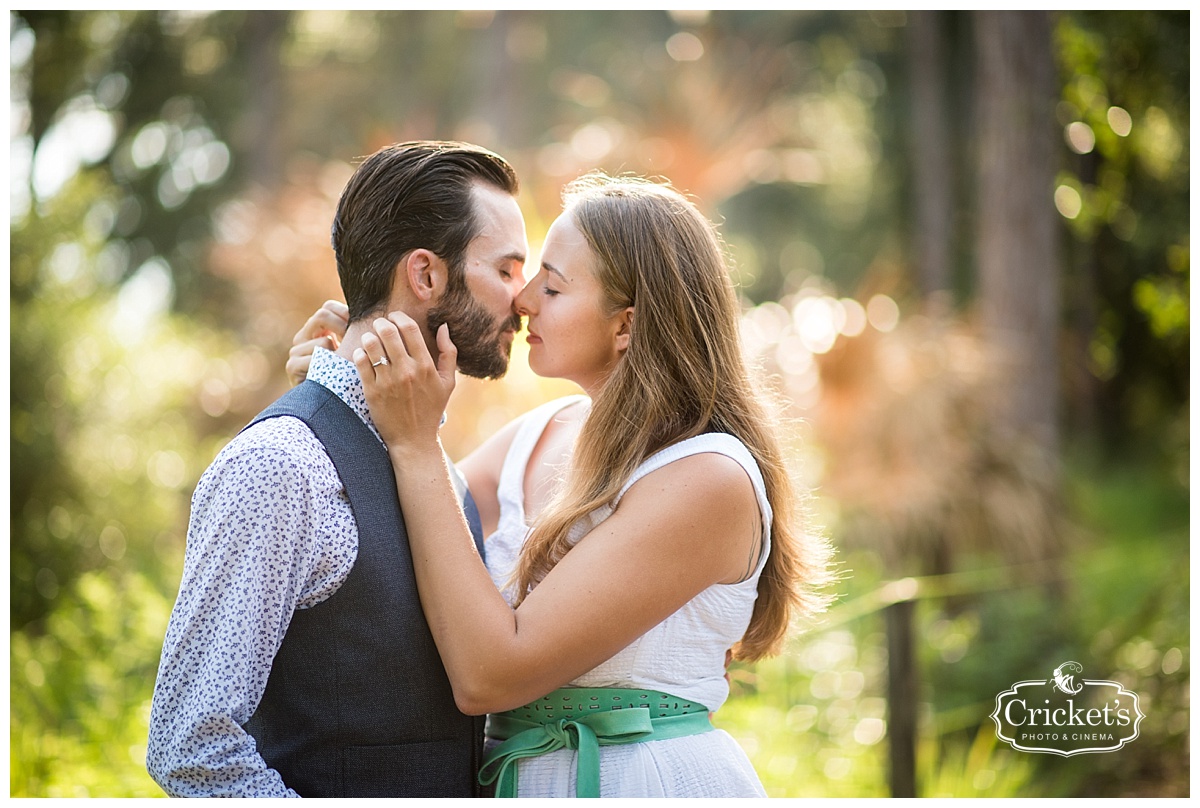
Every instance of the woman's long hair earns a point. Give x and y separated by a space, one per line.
683 375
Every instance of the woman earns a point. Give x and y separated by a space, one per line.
637 532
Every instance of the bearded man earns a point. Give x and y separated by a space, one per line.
297 661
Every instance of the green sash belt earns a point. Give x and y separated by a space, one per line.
585 719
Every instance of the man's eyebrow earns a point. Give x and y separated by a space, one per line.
519 257
549 268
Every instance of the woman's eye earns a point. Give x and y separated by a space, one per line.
546 290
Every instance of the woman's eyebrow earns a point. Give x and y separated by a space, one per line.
549 268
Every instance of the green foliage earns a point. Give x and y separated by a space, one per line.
80 692
169 87
41 432
107 436
813 721
1125 113
1132 618
984 767
108 439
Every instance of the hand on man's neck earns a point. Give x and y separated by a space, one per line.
355 331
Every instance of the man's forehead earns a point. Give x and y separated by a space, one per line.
501 224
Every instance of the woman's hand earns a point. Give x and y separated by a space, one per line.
324 329
406 391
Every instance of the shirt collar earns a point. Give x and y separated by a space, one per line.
340 377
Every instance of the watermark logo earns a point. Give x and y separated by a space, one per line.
1064 678
1067 715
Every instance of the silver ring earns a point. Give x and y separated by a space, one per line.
382 361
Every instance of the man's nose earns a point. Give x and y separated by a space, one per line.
516 285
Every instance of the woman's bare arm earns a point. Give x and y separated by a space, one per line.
679 530
482 468
324 329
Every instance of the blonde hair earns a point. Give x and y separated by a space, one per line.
682 375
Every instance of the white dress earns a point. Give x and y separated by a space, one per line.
683 656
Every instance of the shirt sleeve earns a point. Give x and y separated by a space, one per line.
250 560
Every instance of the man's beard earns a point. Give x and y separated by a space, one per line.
481 352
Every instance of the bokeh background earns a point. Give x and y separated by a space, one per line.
962 244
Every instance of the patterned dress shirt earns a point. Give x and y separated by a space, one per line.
271 531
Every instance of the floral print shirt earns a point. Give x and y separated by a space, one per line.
271 531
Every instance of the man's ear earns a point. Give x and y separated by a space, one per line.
424 273
624 329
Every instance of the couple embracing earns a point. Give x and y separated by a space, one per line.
343 628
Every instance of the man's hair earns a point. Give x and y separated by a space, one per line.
409 196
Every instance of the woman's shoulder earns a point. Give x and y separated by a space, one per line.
718 461
715 450
701 507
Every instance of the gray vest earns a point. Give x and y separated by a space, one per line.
357 703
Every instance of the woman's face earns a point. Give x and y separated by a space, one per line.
570 334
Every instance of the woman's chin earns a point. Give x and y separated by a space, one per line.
543 374
541 370
537 367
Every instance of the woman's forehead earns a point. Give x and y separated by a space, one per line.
565 247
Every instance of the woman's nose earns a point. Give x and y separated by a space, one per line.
525 300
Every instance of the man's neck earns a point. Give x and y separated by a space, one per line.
352 340
356 330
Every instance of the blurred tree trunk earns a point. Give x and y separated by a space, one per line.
261 137
1018 225
933 181
499 98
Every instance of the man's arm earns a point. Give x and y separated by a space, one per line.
252 559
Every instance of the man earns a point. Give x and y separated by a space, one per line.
297 661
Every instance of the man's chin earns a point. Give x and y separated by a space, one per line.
488 369
486 375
